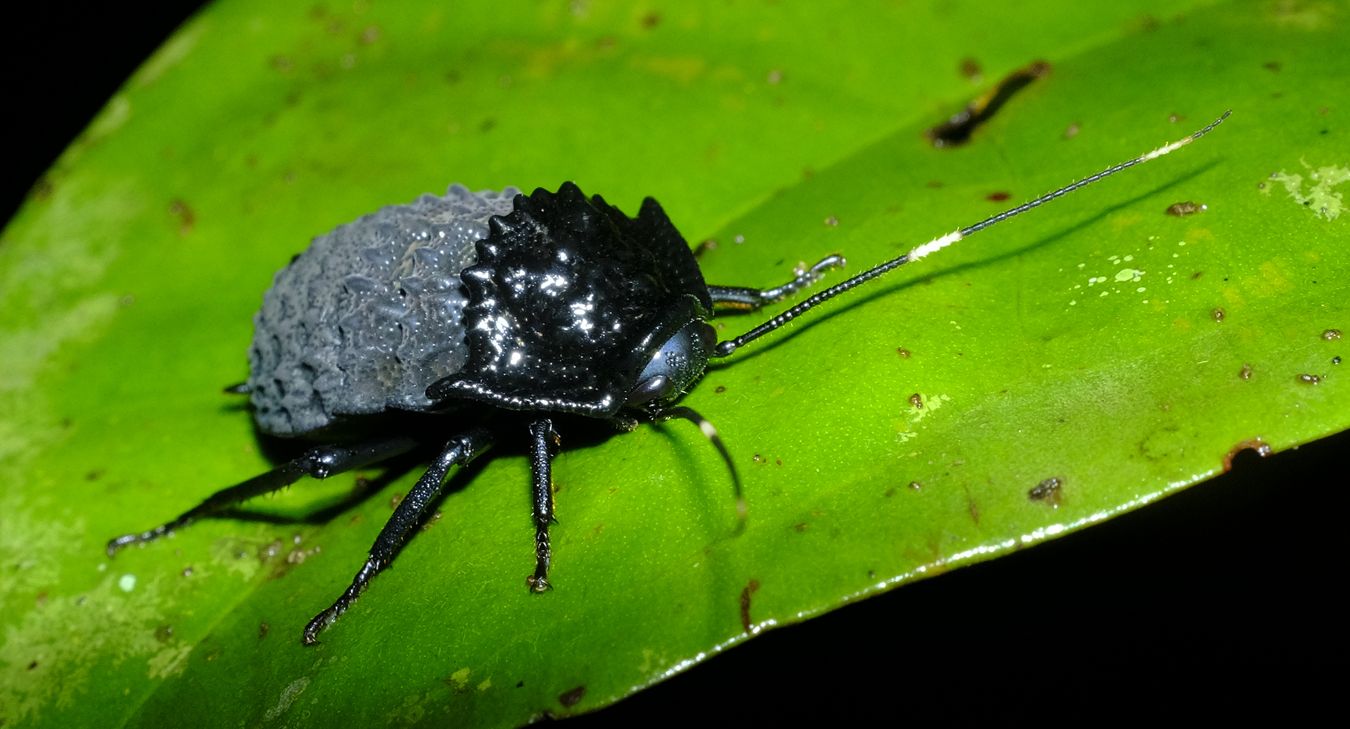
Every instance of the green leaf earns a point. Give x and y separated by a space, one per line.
1081 342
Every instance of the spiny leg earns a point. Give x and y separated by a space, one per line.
318 462
544 444
744 298
411 513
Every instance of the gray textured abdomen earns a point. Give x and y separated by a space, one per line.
369 315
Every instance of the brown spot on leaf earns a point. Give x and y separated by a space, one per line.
1246 371
958 128
747 592
186 218
970 68
1256 445
570 697
1218 314
1050 491
1186 207
1331 335
998 196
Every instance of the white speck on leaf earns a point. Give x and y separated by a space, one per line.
288 697
1319 197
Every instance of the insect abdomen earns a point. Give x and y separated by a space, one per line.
369 315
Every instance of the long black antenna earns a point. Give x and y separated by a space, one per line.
726 347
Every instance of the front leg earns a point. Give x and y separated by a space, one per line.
744 298
543 445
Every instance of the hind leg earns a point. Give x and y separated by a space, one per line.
318 462
411 513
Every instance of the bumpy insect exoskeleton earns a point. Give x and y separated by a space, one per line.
455 319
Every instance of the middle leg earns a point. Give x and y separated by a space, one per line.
411 513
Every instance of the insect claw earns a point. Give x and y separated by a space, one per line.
115 546
833 260
317 625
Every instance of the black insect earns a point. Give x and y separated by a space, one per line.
459 311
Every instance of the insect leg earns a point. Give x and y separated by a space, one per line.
318 462
744 298
411 513
543 445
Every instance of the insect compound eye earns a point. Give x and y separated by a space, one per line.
676 366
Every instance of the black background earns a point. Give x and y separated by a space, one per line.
1216 603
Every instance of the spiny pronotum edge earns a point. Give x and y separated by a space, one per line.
725 348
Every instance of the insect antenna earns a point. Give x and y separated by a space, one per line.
725 348
711 434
